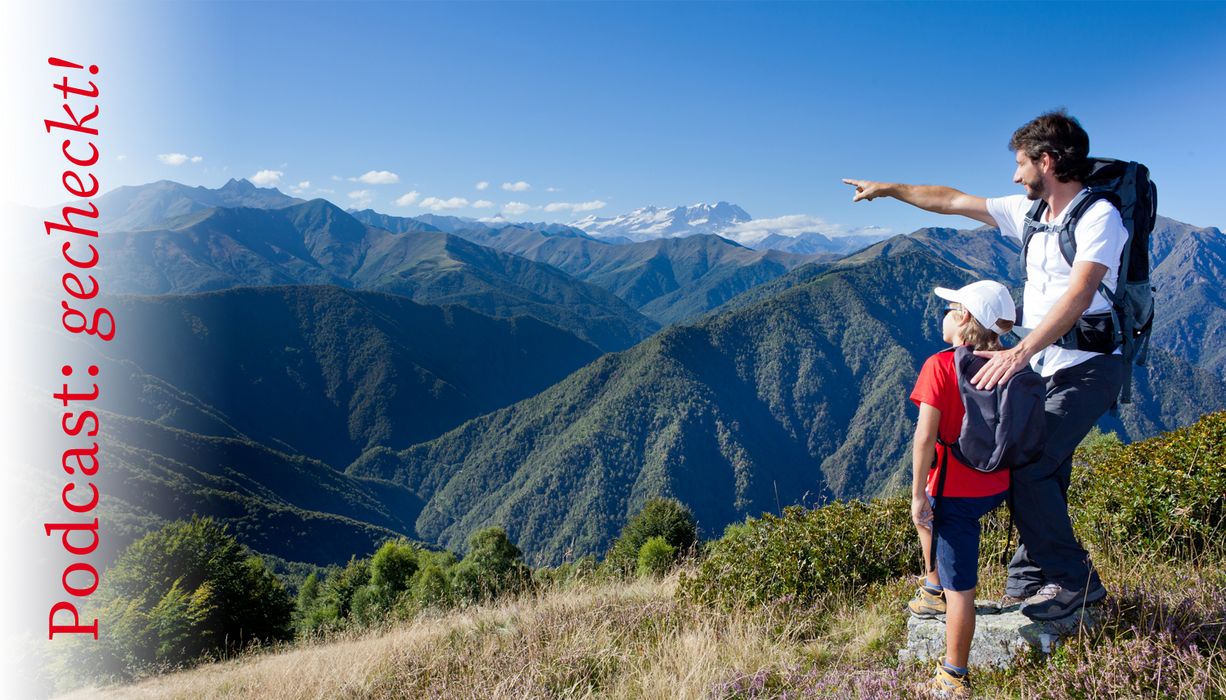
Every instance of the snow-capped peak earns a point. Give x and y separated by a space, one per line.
649 223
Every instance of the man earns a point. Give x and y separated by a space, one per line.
1050 572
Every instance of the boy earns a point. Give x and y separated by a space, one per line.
977 315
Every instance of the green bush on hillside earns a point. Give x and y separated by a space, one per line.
656 557
806 554
1161 496
329 605
392 567
186 591
660 517
431 587
493 566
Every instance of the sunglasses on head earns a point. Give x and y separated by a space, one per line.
950 307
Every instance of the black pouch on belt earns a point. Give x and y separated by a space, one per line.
1092 332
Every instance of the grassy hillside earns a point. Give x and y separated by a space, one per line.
1148 513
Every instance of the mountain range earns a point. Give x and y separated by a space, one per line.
780 378
798 397
132 208
359 368
317 243
669 279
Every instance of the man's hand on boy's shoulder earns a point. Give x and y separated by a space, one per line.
1001 365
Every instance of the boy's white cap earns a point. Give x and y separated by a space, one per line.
987 301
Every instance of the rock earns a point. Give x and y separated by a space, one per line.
999 636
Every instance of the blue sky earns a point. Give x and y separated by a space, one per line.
623 105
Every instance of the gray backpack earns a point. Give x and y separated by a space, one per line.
1004 427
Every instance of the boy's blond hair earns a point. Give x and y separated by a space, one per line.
973 333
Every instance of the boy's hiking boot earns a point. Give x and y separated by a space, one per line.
946 684
1064 602
927 603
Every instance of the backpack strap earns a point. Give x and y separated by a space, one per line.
1030 226
1068 243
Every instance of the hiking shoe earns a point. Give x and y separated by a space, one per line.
1036 595
1064 602
927 604
1008 600
946 684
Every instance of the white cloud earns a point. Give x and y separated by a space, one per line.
482 204
516 208
483 185
576 207
794 225
407 198
266 178
377 177
121 157
178 158
436 204
361 198
553 189
324 190
520 186
300 187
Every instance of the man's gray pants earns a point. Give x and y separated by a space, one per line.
1049 553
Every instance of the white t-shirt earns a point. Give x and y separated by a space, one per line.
1100 237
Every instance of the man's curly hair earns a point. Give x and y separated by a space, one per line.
1060 135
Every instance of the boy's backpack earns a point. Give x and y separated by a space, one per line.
1004 427
1128 325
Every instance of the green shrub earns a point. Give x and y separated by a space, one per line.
656 557
331 605
493 565
186 591
392 566
805 554
1161 496
431 587
660 517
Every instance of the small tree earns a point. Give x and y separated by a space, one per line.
656 557
307 610
186 590
342 585
492 566
431 587
660 517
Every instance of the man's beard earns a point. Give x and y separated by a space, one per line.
1035 189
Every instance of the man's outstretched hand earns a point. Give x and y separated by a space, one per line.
867 189
1001 365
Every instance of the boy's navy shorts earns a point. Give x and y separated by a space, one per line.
957 524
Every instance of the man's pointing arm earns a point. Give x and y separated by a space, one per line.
934 198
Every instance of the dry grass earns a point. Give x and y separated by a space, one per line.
626 640
636 640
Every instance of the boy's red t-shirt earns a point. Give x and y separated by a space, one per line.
937 386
